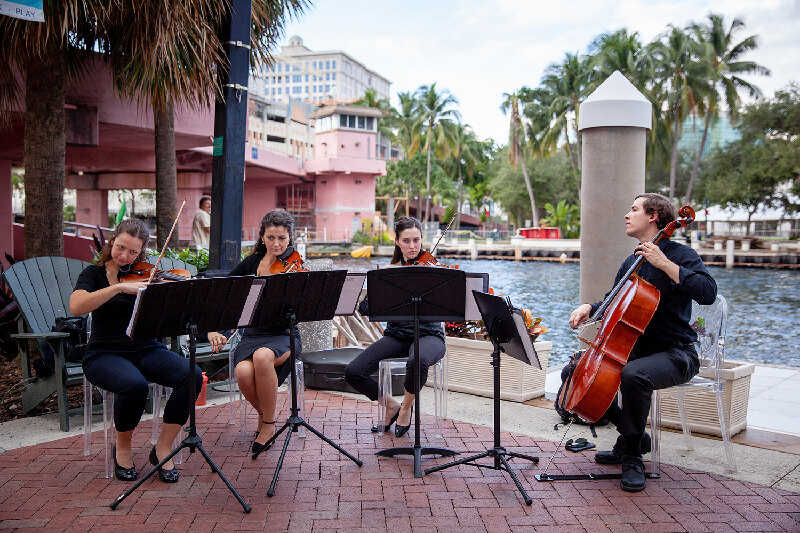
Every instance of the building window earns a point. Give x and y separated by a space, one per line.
306 89
327 89
278 66
362 123
315 65
306 78
370 123
279 90
314 88
327 65
327 75
342 121
297 78
333 64
351 121
333 75
297 90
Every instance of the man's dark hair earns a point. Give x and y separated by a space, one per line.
203 199
661 205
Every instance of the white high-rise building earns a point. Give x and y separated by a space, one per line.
330 77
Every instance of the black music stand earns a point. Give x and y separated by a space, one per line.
507 331
186 307
414 293
289 299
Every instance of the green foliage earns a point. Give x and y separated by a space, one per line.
198 258
564 216
69 213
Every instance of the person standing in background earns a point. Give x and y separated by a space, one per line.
201 227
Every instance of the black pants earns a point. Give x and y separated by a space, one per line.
127 374
359 372
640 377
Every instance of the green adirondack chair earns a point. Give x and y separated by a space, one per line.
42 287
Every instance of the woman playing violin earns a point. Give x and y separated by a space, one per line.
121 365
261 356
664 355
398 341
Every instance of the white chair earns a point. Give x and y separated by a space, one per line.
438 374
710 322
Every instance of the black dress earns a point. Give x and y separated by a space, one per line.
276 338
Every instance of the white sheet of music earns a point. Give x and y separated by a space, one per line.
250 304
471 311
351 290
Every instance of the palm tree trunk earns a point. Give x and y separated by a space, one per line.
696 166
44 152
166 175
460 188
673 164
530 191
568 147
428 176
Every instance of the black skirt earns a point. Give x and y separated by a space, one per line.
278 343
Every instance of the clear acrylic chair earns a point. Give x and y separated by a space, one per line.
438 374
710 322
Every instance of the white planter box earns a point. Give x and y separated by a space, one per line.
701 405
469 370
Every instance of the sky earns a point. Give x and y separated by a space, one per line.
479 49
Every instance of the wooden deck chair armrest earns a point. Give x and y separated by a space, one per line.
44 336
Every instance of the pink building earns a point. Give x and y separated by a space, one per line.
110 146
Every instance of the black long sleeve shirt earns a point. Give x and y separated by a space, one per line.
670 323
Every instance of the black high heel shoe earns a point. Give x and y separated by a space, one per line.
167 476
124 474
376 428
258 447
399 430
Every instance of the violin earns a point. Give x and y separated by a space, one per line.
625 313
426 258
288 261
143 270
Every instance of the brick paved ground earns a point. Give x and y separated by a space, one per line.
53 487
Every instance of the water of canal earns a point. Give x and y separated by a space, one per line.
762 304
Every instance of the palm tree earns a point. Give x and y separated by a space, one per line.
47 54
722 60
370 99
407 124
567 84
620 51
677 66
170 55
434 107
463 148
516 143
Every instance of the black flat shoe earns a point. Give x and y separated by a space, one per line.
124 474
376 428
167 476
258 447
399 430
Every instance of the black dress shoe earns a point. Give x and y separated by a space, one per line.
124 474
258 447
376 428
633 479
167 476
399 430
614 456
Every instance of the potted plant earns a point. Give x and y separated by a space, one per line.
469 355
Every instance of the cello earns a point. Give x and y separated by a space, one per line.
625 313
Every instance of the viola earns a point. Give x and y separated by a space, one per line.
426 258
289 261
625 313
144 271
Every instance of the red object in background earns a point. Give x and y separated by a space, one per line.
540 233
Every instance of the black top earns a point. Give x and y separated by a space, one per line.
249 267
110 320
670 323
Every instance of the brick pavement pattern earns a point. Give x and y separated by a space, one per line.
52 487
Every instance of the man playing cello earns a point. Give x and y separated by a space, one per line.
664 355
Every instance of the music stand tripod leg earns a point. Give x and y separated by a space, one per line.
294 419
192 440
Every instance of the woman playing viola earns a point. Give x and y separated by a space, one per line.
124 366
398 341
261 356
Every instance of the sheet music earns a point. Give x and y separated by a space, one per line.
250 304
480 283
351 290
525 337
135 313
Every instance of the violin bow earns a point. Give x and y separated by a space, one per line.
443 233
166 242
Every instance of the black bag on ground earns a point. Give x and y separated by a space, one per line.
324 369
74 345
566 376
